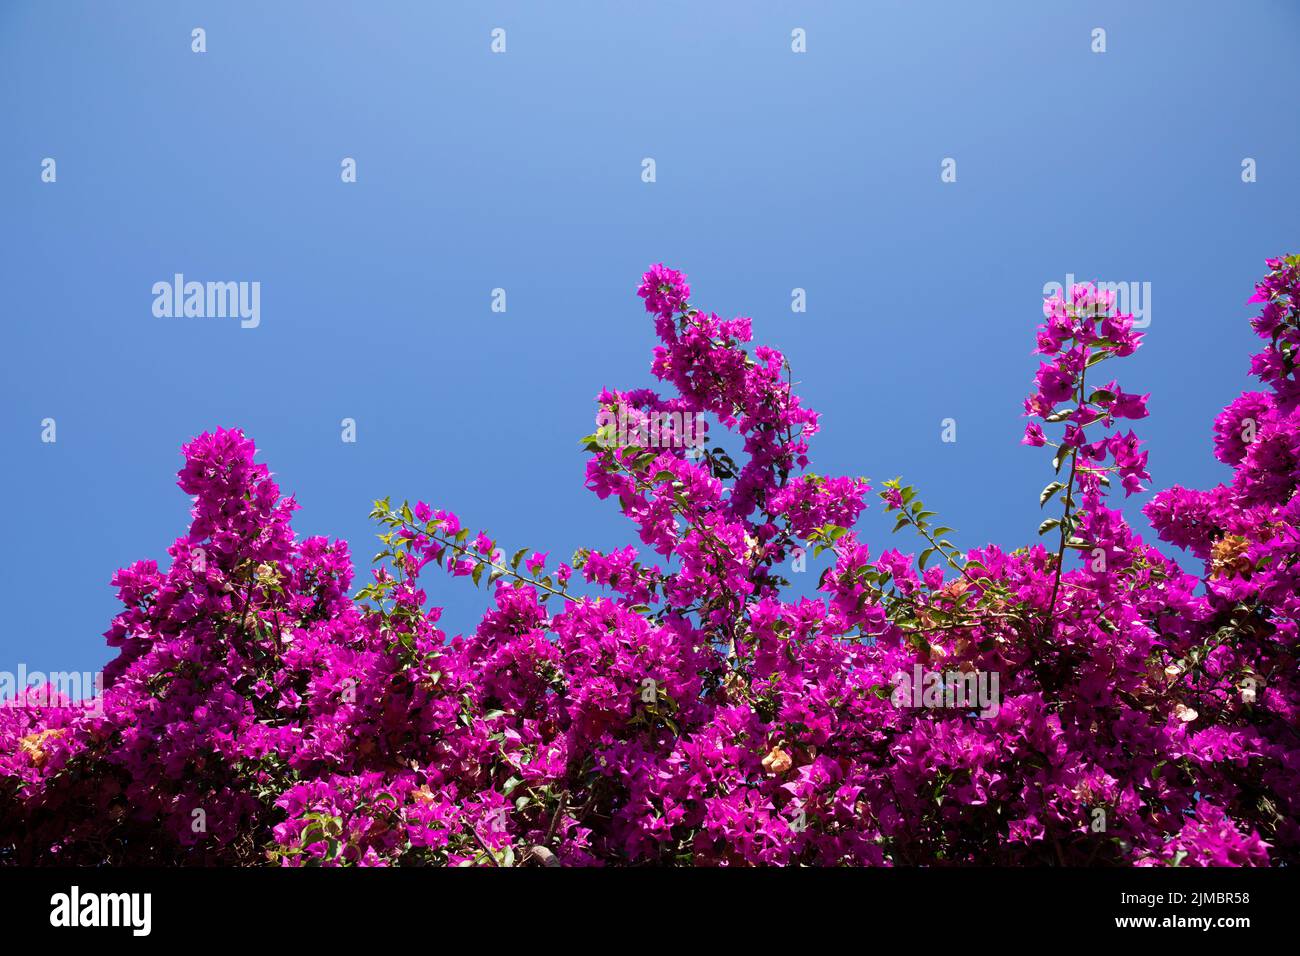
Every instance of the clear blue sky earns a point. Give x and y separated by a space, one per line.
523 171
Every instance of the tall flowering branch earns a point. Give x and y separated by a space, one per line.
1082 331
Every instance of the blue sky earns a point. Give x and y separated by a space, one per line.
522 171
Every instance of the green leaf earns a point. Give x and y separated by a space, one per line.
1050 490
1048 525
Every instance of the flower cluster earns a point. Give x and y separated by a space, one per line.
680 704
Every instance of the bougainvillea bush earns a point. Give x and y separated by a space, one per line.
689 708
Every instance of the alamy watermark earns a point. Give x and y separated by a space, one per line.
208 300
82 689
1131 298
952 690
133 911
616 428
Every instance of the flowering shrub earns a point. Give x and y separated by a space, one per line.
691 711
